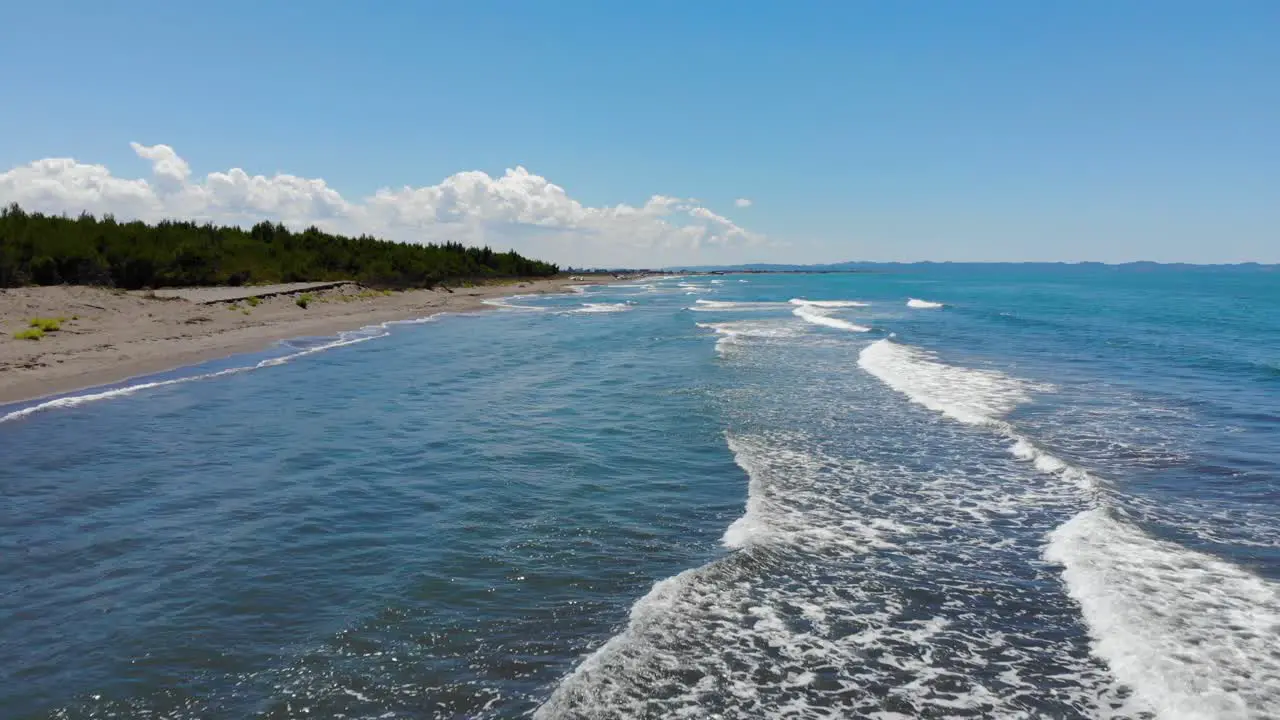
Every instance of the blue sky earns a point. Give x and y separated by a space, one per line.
882 131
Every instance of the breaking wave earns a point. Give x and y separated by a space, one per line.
1192 635
701 305
591 308
1188 634
506 304
808 616
923 304
828 303
974 397
820 316
731 333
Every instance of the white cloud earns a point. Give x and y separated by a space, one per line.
742 202
518 209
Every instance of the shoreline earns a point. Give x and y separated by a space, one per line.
110 337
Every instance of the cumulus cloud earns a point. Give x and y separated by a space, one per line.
742 202
517 209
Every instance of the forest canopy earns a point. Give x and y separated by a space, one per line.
37 249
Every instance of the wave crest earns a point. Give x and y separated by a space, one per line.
1192 635
819 316
923 304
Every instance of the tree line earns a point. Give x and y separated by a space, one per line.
38 249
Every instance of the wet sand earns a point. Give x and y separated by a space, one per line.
109 335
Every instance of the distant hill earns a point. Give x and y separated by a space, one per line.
870 267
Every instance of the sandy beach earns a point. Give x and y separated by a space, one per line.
106 336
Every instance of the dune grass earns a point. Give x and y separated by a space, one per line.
34 333
304 300
47 324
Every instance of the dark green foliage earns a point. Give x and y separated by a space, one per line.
49 250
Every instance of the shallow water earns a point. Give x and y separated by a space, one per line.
943 491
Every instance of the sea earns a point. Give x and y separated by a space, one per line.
918 491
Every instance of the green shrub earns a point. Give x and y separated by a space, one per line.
254 301
47 324
34 333
304 300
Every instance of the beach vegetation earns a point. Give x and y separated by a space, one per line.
304 300
34 333
254 301
47 324
39 249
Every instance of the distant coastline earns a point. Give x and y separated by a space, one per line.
872 267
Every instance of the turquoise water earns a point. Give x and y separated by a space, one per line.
1033 491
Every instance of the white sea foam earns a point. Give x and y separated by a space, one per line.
506 304
591 308
793 512
1193 636
975 397
701 305
828 303
820 316
732 333
364 334
77 400
808 620
1025 449
923 304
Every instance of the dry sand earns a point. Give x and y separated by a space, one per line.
111 336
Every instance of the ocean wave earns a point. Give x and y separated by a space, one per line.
701 305
1189 635
923 304
731 332
1192 635
504 303
976 397
691 288
808 619
1045 462
591 308
819 316
794 513
828 303
970 396
369 332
